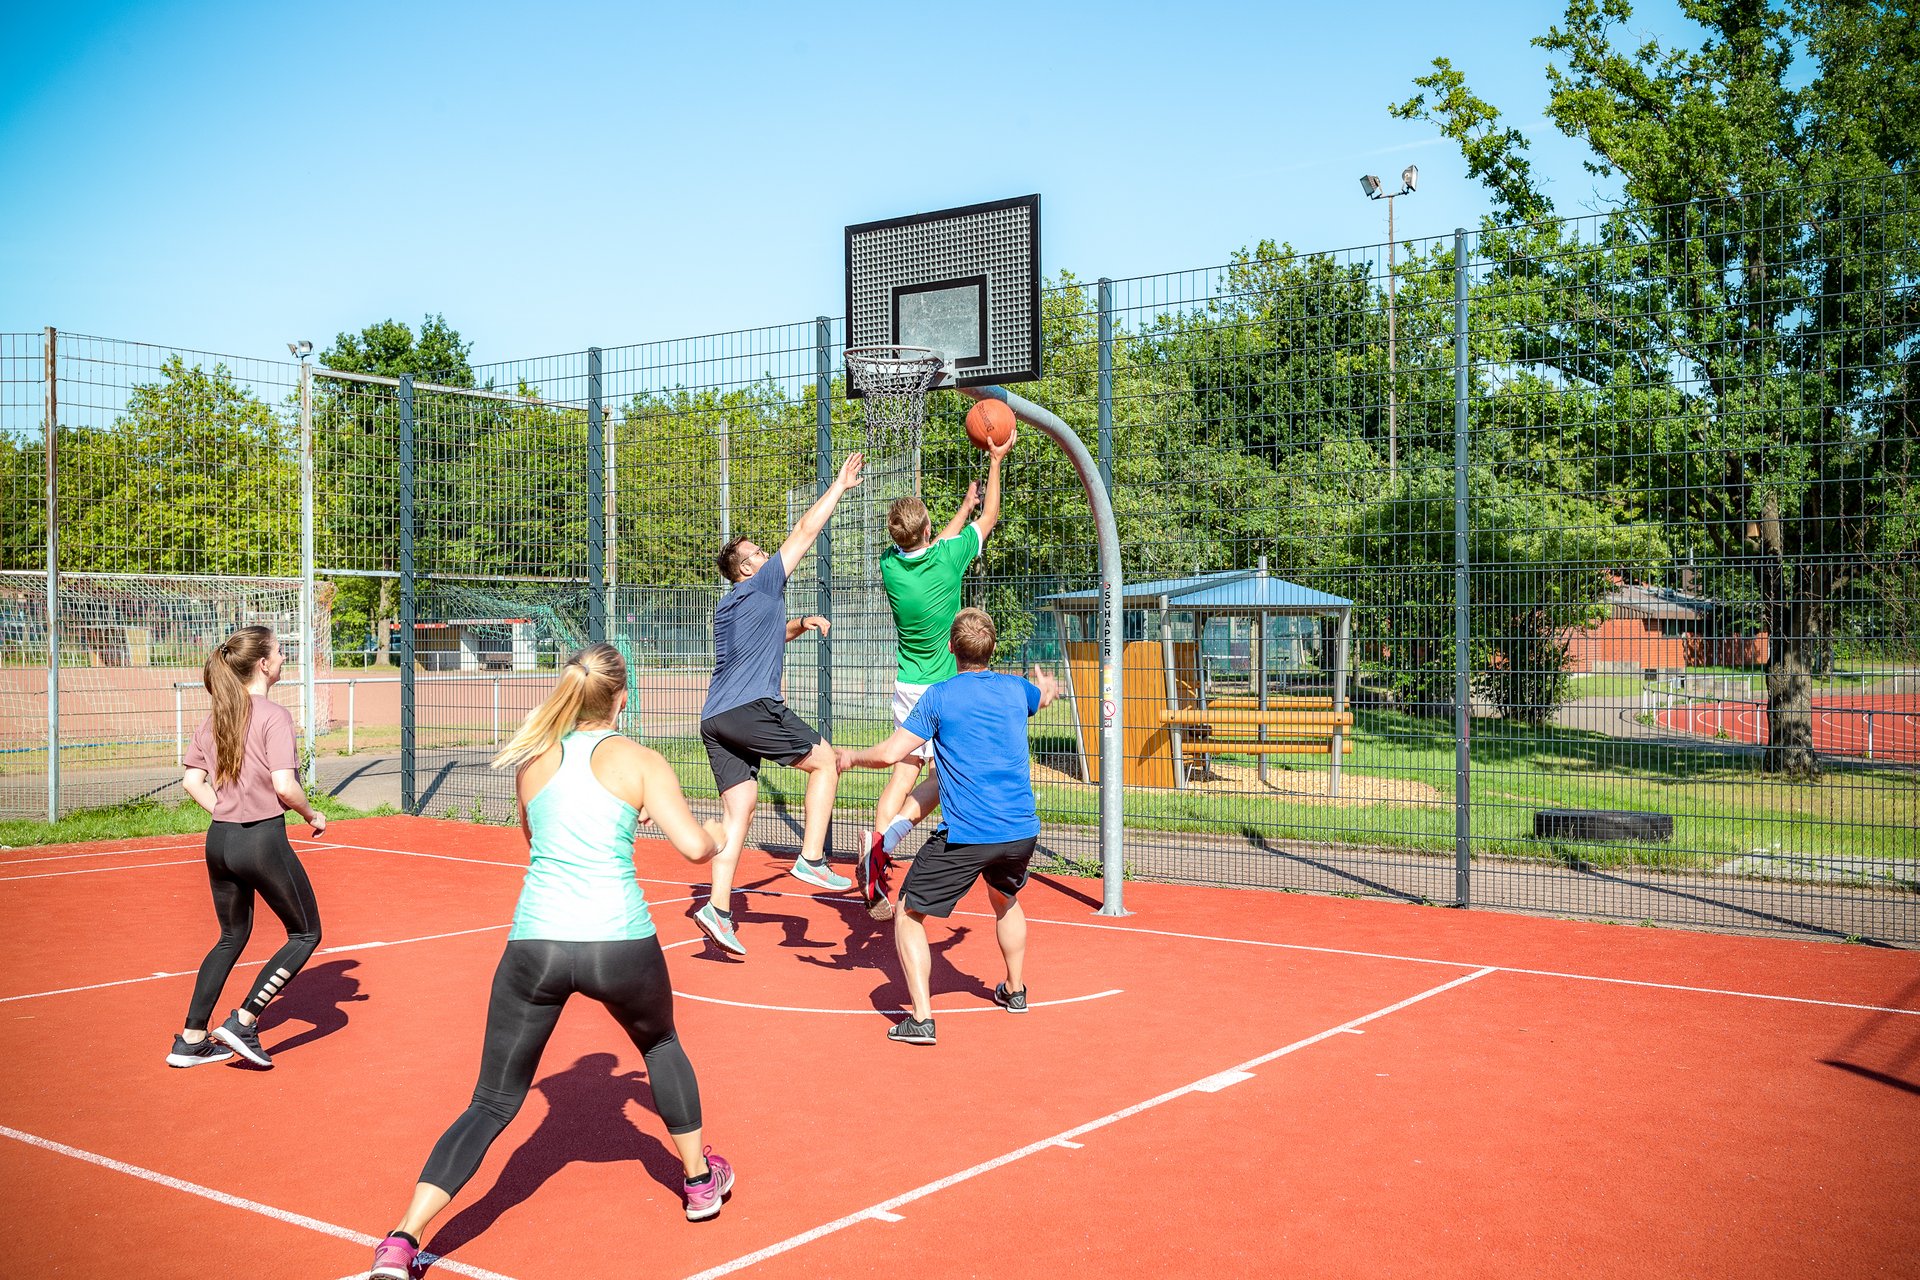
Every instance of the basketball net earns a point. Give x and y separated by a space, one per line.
893 383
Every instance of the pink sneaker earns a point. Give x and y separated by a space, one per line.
393 1259
703 1200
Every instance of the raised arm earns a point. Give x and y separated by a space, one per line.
968 505
801 540
797 627
990 509
1044 681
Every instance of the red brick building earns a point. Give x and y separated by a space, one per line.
1659 627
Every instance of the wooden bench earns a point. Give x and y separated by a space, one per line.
1231 728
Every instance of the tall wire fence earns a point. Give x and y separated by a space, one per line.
1571 568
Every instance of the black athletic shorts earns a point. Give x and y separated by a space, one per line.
942 873
739 739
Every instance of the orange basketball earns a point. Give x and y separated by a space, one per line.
989 422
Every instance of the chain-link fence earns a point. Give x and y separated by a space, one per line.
1572 568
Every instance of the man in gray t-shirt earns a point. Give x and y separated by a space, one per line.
745 720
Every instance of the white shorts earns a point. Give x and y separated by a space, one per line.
905 698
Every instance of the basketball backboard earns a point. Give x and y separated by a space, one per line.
964 282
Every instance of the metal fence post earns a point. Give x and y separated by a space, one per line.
596 505
309 642
1106 394
823 553
1462 707
51 434
407 619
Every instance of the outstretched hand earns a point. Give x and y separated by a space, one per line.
814 622
1044 681
972 501
1001 450
850 470
843 758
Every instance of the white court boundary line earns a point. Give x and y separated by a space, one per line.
1465 964
96 853
884 1211
324 951
253 964
319 846
94 871
239 1202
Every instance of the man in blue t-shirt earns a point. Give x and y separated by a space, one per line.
977 723
746 718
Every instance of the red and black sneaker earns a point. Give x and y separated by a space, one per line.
873 865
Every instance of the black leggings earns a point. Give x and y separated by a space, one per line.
245 858
531 986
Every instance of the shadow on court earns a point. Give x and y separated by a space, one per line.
315 996
868 949
586 1122
754 906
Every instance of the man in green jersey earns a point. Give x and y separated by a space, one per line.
922 575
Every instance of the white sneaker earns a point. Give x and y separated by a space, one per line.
818 873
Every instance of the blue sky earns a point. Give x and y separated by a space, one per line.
226 177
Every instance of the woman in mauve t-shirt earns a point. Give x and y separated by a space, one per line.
242 767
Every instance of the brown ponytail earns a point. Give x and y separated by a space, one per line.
226 672
590 682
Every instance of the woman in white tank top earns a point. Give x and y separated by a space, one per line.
581 925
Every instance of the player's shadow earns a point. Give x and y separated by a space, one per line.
586 1121
759 909
869 948
316 996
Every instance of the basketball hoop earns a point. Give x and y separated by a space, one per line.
893 382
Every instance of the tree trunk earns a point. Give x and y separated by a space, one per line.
1793 648
383 634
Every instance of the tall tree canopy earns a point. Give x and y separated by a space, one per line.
1763 276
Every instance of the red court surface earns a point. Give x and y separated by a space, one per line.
1882 726
1224 1082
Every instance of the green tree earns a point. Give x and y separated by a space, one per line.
196 476
1761 283
356 447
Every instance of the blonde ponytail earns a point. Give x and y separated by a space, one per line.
225 674
590 682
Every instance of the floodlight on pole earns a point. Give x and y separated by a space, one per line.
300 349
1375 190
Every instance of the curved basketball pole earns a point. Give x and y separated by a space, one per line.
1111 632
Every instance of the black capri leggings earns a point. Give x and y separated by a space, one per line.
531 986
245 858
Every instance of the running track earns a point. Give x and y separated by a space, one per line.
1840 723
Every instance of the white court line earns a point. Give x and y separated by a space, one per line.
1462 964
889 1013
239 1202
249 964
884 1211
94 871
1205 937
96 853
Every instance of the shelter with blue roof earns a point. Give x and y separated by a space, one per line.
1175 719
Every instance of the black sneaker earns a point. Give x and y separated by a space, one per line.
908 1031
1011 1001
243 1039
207 1050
